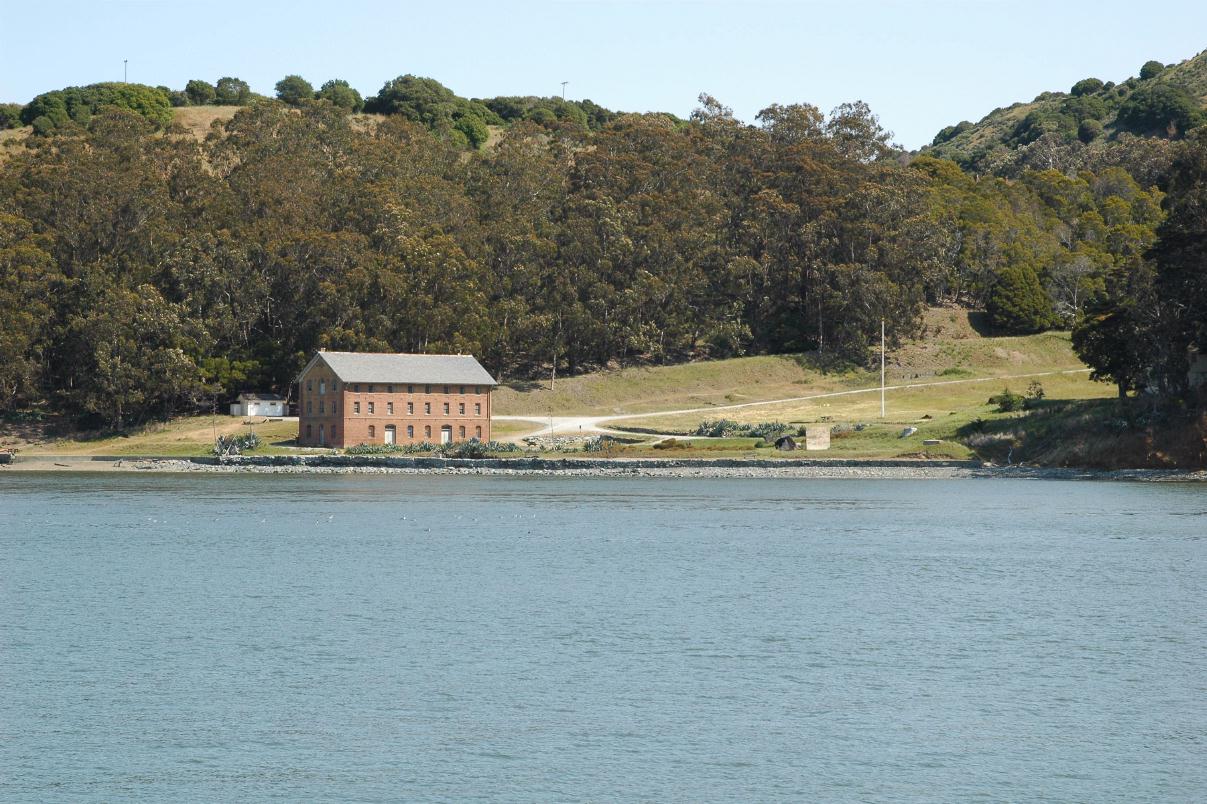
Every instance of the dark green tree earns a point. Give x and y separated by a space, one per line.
1180 254
10 115
1115 337
340 93
1018 304
200 93
231 92
1151 69
294 90
1086 86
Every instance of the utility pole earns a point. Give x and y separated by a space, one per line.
125 71
564 89
882 368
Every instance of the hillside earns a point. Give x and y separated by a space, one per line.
1159 103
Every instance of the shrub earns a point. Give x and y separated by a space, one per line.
1007 401
1035 393
768 431
10 115
725 428
721 428
374 449
1086 86
236 444
1089 130
1161 107
1151 69
598 443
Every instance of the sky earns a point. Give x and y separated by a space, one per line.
920 65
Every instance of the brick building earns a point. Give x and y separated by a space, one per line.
349 398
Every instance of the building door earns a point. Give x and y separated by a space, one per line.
446 434
390 433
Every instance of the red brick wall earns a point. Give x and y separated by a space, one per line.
362 427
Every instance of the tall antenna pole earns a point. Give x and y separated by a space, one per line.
882 368
564 89
125 71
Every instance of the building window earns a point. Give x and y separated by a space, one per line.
462 389
370 389
427 407
356 388
427 389
334 408
310 406
461 432
321 405
356 407
445 408
309 387
372 431
334 386
389 408
410 431
446 389
322 387
477 408
334 432
427 431
389 389
309 432
410 407
370 408
461 408
410 389
478 433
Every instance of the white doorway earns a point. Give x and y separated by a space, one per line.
446 434
391 432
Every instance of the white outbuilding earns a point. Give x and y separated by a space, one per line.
269 405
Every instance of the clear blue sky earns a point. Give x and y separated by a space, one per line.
920 65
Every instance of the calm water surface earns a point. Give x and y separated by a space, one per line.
369 638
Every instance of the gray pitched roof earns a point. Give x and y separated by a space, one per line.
252 397
403 368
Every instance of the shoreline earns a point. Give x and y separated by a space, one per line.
816 469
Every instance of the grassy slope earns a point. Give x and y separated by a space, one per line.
998 125
952 352
951 346
187 436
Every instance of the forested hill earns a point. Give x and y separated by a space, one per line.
146 271
1083 124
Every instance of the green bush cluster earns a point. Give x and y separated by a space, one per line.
427 101
458 449
1008 401
236 444
725 428
62 108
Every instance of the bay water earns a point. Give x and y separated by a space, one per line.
432 638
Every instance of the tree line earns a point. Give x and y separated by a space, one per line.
143 272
